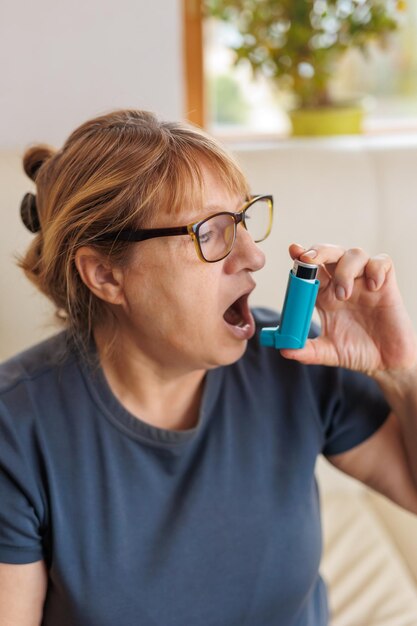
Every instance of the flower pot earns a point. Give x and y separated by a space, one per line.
337 120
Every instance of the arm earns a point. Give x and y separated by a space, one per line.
381 463
22 593
400 390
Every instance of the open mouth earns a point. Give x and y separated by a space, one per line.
239 317
237 313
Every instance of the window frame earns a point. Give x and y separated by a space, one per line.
193 61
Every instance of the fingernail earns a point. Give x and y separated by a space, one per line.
311 254
340 293
371 284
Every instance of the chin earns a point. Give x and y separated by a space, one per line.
228 356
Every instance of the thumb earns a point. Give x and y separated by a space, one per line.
318 351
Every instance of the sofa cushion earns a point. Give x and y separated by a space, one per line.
368 581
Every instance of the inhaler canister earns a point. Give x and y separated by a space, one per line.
297 310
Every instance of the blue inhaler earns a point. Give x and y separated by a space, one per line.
297 311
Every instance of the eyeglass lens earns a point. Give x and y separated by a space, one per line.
217 234
258 219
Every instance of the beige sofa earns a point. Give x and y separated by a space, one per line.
370 555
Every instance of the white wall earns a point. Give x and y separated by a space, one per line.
63 62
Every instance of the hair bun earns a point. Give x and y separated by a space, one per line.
34 158
29 213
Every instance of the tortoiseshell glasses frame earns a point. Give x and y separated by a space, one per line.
194 230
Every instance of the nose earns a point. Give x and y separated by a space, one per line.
245 254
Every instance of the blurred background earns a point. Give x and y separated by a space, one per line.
383 76
62 64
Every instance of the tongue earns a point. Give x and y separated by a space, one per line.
233 314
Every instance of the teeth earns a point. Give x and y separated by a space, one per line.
237 314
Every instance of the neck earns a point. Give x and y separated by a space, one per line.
161 396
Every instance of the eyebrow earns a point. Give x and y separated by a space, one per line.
215 208
211 209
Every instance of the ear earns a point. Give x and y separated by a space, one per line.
104 280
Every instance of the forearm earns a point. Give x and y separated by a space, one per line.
400 391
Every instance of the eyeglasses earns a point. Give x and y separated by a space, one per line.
214 236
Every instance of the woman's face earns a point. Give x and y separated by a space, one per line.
174 304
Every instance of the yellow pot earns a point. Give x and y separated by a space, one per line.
337 120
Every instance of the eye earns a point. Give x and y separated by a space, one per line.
209 230
206 236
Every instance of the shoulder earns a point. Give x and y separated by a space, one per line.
33 362
348 405
326 380
266 317
319 385
37 390
31 381
267 365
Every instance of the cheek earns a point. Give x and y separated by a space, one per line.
172 287
191 305
195 296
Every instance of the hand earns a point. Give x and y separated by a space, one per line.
364 323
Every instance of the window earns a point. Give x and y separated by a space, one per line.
235 104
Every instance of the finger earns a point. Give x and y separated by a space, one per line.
318 253
376 271
296 250
323 275
318 351
326 255
350 266
323 253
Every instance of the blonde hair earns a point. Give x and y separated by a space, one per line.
114 172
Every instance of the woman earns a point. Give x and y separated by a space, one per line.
157 463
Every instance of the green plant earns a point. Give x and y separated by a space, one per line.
297 42
228 104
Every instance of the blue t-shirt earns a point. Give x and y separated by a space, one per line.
218 525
